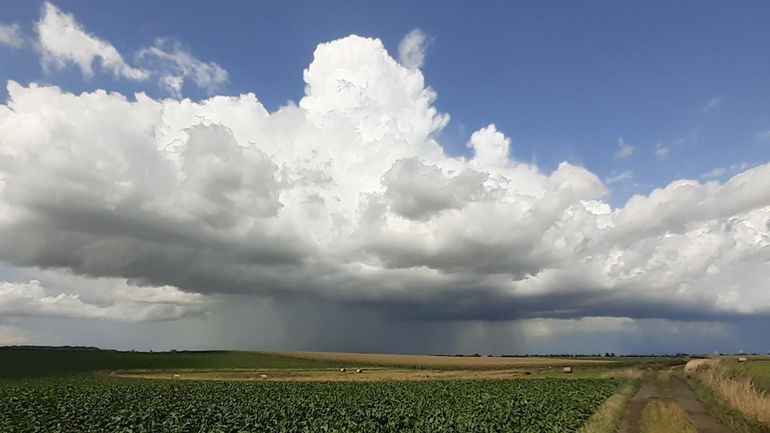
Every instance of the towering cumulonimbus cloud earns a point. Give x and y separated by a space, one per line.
348 196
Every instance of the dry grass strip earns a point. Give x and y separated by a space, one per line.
736 389
607 417
665 417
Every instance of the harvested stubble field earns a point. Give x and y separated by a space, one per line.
378 374
378 367
440 362
373 374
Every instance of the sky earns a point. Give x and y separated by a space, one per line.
440 177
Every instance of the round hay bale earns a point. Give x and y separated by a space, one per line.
342 370
359 370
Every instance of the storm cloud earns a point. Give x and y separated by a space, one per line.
348 198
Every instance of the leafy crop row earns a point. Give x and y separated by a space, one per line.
92 405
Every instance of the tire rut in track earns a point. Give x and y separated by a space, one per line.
704 423
632 421
676 391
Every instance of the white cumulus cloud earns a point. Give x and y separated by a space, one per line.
624 149
491 147
348 196
174 66
62 40
10 35
133 304
411 49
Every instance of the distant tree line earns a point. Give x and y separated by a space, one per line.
600 355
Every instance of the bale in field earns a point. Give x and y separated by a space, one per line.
700 364
742 359
176 376
567 369
263 376
342 370
359 370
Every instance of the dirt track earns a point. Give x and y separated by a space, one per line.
684 397
677 391
632 421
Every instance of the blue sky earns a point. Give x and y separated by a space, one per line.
564 80
196 220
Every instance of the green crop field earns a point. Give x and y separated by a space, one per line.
85 404
36 362
73 390
757 370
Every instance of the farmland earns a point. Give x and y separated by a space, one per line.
757 369
31 362
80 404
440 362
82 389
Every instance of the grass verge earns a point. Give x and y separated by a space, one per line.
607 417
717 407
734 388
665 417
756 369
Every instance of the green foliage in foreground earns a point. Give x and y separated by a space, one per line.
94 405
41 362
